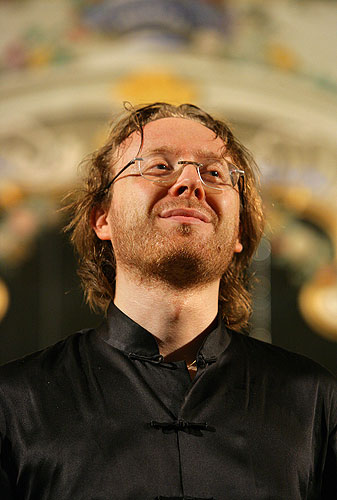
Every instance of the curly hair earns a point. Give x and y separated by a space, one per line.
96 257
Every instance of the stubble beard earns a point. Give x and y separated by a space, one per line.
179 257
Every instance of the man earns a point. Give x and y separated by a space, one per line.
167 399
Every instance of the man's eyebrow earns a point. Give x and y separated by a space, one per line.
200 153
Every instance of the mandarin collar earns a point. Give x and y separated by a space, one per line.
124 334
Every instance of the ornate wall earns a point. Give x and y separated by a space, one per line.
65 67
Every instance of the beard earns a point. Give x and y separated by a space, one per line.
181 256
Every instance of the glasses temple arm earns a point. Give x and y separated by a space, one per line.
107 187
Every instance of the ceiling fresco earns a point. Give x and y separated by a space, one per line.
289 35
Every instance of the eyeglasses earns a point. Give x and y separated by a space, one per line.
214 174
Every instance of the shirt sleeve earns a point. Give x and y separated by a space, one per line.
329 483
5 487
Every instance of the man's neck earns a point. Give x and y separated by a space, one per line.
178 319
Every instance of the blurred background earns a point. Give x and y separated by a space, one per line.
269 68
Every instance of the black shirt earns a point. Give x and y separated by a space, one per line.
101 416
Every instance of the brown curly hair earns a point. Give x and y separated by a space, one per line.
96 257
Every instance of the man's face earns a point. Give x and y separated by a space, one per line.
183 234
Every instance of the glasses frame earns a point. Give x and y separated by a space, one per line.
180 162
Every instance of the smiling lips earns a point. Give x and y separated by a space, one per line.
185 215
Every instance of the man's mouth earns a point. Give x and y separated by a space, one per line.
185 215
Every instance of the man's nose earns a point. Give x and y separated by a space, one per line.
188 184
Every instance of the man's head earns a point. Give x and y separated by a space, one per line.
187 230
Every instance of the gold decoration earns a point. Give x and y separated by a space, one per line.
318 302
150 86
282 57
4 299
10 193
40 56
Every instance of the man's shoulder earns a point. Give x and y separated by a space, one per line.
280 361
50 359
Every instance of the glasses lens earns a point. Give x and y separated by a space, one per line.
156 169
217 175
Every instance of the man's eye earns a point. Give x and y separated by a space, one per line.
161 166
158 169
215 173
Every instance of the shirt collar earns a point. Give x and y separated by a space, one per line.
124 334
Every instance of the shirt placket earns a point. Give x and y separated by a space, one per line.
172 384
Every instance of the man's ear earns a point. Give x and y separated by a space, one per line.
99 223
238 246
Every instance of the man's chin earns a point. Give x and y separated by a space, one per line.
184 229
181 268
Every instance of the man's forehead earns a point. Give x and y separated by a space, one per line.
175 135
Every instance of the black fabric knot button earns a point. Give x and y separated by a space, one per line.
156 359
184 498
202 361
194 428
